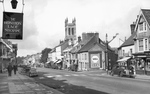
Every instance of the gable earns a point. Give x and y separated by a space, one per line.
144 16
96 48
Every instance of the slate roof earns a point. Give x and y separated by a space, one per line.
91 43
129 41
146 13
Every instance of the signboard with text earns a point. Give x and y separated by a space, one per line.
12 25
95 60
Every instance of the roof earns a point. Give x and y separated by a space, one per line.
91 43
146 13
6 43
129 41
123 59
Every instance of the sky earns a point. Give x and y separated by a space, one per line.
43 20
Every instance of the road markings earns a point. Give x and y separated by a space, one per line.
58 75
41 77
66 75
50 76
75 75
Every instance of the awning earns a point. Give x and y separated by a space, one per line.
58 61
123 59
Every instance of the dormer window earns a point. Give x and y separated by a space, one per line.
140 26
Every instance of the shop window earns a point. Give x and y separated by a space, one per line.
140 64
148 66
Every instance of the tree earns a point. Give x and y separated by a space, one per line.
45 54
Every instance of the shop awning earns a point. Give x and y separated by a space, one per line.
123 59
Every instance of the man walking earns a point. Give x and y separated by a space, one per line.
9 68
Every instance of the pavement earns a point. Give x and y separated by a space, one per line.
22 84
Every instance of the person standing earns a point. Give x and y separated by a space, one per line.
9 68
15 67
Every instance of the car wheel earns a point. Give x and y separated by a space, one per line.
30 75
120 74
112 73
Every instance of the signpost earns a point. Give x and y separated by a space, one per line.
12 25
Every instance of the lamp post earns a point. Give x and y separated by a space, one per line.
107 42
14 5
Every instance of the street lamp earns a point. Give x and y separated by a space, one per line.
14 4
107 42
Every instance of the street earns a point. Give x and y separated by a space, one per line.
90 82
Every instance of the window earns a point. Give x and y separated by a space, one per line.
72 31
140 26
69 31
146 48
140 45
144 25
85 57
131 51
123 52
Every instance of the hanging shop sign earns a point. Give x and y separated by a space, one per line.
12 25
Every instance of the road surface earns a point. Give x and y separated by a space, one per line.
91 82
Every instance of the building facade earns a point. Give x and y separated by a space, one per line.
142 42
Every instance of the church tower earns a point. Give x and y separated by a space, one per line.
70 30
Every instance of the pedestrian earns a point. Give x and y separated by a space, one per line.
9 68
15 68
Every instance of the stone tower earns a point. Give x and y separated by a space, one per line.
70 30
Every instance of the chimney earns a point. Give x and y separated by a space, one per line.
61 41
79 39
97 37
132 26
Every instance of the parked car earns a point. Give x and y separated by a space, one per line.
122 71
32 72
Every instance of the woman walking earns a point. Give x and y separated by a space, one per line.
9 68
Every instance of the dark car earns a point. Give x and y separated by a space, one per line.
122 71
32 72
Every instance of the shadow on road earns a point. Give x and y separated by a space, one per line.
64 87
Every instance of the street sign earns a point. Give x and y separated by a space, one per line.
12 25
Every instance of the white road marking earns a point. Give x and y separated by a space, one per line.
66 75
75 75
58 75
50 76
41 77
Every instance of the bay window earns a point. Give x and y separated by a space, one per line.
141 45
146 44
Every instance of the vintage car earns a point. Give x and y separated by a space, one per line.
32 72
123 71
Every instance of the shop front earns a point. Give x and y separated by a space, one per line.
142 63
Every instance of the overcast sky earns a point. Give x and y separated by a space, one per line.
44 20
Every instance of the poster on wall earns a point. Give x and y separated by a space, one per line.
95 61
12 25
